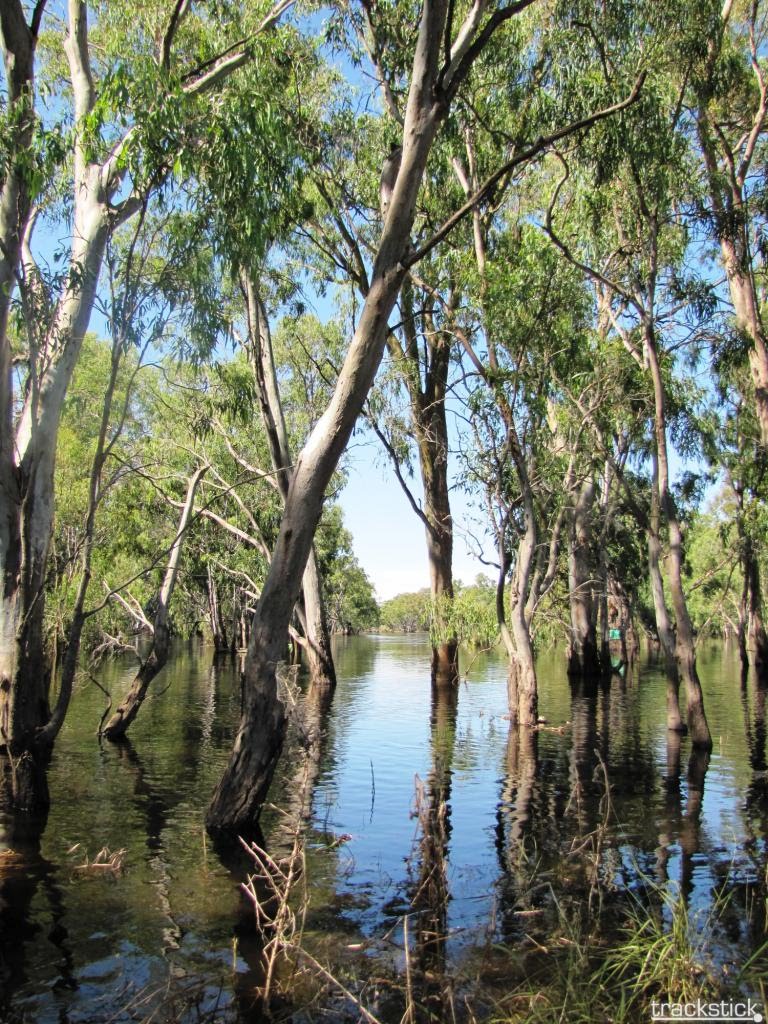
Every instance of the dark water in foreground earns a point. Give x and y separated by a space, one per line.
81 945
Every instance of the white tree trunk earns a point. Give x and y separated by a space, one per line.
241 792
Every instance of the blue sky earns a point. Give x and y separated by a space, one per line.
389 539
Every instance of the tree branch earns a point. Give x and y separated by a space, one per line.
541 144
180 9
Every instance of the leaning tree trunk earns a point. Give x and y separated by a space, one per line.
322 671
685 649
241 792
119 723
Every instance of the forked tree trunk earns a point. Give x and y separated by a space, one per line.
241 792
120 722
27 454
28 457
427 387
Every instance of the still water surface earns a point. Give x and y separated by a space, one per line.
83 945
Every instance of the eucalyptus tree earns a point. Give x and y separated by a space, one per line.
138 306
737 450
727 87
604 404
635 254
337 240
534 317
317 644
132 101
439 63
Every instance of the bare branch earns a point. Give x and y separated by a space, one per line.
180 9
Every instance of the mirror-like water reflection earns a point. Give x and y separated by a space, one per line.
421 804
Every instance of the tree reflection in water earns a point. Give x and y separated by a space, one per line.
23 871
430 892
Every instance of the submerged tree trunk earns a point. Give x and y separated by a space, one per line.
753 642
241 792
120 722
664 629
583 659
439 66
522 688
685 649
218 629
432 893
322 672
28 457
26 511
426 379
432 435
27 454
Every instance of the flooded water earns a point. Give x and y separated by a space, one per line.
417 803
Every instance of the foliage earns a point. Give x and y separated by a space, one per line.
407 613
